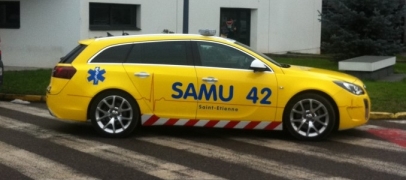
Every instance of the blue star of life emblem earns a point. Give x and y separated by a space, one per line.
96 75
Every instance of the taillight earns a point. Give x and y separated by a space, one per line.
65 72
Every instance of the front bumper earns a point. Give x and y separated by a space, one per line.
353 110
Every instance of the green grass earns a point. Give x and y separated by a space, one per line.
400 67
385 96
33 82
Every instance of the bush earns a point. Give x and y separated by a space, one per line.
352 28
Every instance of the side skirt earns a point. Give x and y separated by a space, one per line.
153 120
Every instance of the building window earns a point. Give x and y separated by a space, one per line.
10 14
105 16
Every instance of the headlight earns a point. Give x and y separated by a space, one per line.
355 89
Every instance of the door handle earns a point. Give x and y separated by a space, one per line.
210 79
141 74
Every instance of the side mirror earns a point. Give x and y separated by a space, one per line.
258 65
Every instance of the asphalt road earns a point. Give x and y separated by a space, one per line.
33 145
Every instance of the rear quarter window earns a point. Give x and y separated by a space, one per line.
114 54
72 54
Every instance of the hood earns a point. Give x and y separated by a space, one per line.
320 73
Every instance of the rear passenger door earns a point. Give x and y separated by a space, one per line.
163 73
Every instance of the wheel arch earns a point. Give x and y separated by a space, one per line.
325 95
110 90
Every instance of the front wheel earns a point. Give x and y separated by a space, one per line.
114 114
309 117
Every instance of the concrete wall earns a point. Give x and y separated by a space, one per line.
277 26
294 26
48 30
206 14
154 17
51 28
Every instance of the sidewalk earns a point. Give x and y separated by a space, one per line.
19 68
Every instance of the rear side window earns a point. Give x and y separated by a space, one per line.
115 54
169 52
72 54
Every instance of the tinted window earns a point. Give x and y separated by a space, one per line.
218 55
10 14
73 54
259 53
171 52
115 54
105 16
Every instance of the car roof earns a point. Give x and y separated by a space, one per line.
153 37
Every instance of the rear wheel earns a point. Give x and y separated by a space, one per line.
309 117
114 114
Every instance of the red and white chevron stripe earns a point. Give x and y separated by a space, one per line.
153 120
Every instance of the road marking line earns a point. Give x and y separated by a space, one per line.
258 163
397 121
35 166
367 127
396 136
147 164
26 109
381 166
369 143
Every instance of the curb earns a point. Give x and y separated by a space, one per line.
386 115
41 98
31 98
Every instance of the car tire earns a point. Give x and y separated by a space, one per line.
309 117
114 114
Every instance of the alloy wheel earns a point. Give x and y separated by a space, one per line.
114 114
309 118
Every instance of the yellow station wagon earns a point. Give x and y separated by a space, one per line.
201 81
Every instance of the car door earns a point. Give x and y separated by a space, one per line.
229 89
161 72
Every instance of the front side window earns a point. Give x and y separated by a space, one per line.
169 52
10 14
222 56
115 54
104 16
259 53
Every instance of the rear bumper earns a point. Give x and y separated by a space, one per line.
73 107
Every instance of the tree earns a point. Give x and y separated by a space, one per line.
352 28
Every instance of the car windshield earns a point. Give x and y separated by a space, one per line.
259 53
